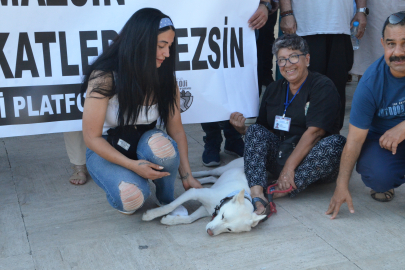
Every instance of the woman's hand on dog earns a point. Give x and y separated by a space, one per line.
237 120
148 170
191 182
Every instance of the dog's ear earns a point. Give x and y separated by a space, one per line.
256 218
240 198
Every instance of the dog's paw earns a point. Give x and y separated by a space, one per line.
170 220
148 215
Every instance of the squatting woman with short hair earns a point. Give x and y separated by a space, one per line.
296 135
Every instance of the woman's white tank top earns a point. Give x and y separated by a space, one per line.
111 119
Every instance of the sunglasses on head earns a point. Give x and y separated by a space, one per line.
396 17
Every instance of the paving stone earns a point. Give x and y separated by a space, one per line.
18 262
13 236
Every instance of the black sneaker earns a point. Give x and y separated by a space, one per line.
236 148
210 156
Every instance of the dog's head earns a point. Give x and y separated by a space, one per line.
234 216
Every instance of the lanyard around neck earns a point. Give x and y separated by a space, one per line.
287 102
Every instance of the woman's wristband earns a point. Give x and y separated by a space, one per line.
185 177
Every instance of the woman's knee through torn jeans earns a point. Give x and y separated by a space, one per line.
109 175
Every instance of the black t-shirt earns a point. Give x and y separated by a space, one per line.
316 105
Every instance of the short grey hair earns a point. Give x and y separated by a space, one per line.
292 42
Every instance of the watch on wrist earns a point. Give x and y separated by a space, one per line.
267 5
365 10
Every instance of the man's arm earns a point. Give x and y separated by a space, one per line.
351 152
287 24
259 18
393 137
361 18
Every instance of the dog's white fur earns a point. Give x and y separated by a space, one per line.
234 216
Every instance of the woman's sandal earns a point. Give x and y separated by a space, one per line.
268 208
79 176
383 196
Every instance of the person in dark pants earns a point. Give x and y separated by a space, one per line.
234 143
332 55
325 25
377 124
264 54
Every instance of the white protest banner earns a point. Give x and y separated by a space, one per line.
46 44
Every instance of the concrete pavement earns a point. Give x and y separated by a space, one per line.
47 223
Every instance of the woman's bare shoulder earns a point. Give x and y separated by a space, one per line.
100 82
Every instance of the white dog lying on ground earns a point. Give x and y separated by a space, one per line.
228 201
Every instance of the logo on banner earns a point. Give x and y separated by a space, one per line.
186 99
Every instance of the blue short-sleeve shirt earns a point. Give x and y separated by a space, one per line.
379 100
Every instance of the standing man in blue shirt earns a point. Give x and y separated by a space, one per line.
377 123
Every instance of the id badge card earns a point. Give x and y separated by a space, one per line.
282 123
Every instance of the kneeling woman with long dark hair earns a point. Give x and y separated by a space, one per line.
128 88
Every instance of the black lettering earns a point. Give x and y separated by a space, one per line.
214 47
40 2
96 2
67 70
13 2
202 33
235 48
225 45
79 3
24 44
181 48
56 3
3 60
87 51
106 36
45 38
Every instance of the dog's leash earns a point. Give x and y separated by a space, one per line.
270 191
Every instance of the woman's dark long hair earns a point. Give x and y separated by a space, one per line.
131 62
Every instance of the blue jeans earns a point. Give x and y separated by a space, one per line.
381 170
109 175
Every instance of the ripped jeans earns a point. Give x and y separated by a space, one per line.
118 182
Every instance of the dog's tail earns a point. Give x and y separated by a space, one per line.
220 170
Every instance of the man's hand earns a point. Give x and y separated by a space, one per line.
190 182
362 19
340 196
237 120
393 137
286 179
288 25
259 18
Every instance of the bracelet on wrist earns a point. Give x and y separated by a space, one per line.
286 12
185 177
285 15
